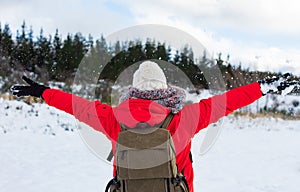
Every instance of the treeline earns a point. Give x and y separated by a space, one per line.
53 58
50 57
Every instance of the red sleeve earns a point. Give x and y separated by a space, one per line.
95 114
210 110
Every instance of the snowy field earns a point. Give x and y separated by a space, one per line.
41 150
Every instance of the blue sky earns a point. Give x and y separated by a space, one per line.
262 34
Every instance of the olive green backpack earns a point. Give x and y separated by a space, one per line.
146 161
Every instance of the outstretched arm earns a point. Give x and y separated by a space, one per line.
95 114
216 107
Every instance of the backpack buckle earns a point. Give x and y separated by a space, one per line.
178 179
116 183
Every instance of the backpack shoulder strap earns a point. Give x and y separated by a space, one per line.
167 121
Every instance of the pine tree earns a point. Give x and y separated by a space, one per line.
43 56
6 42
79 49
24 49
161 52
31 51
57 54
150 50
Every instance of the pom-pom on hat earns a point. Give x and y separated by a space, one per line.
149 76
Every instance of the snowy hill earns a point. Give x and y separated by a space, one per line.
41 150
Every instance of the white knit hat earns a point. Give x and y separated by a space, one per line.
149 76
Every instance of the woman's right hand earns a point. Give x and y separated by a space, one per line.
32 89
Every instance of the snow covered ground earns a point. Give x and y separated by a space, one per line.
41 150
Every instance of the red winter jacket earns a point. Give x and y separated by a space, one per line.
185 124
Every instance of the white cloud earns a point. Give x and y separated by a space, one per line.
266 16
206 19
209 21
259 16
68 16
